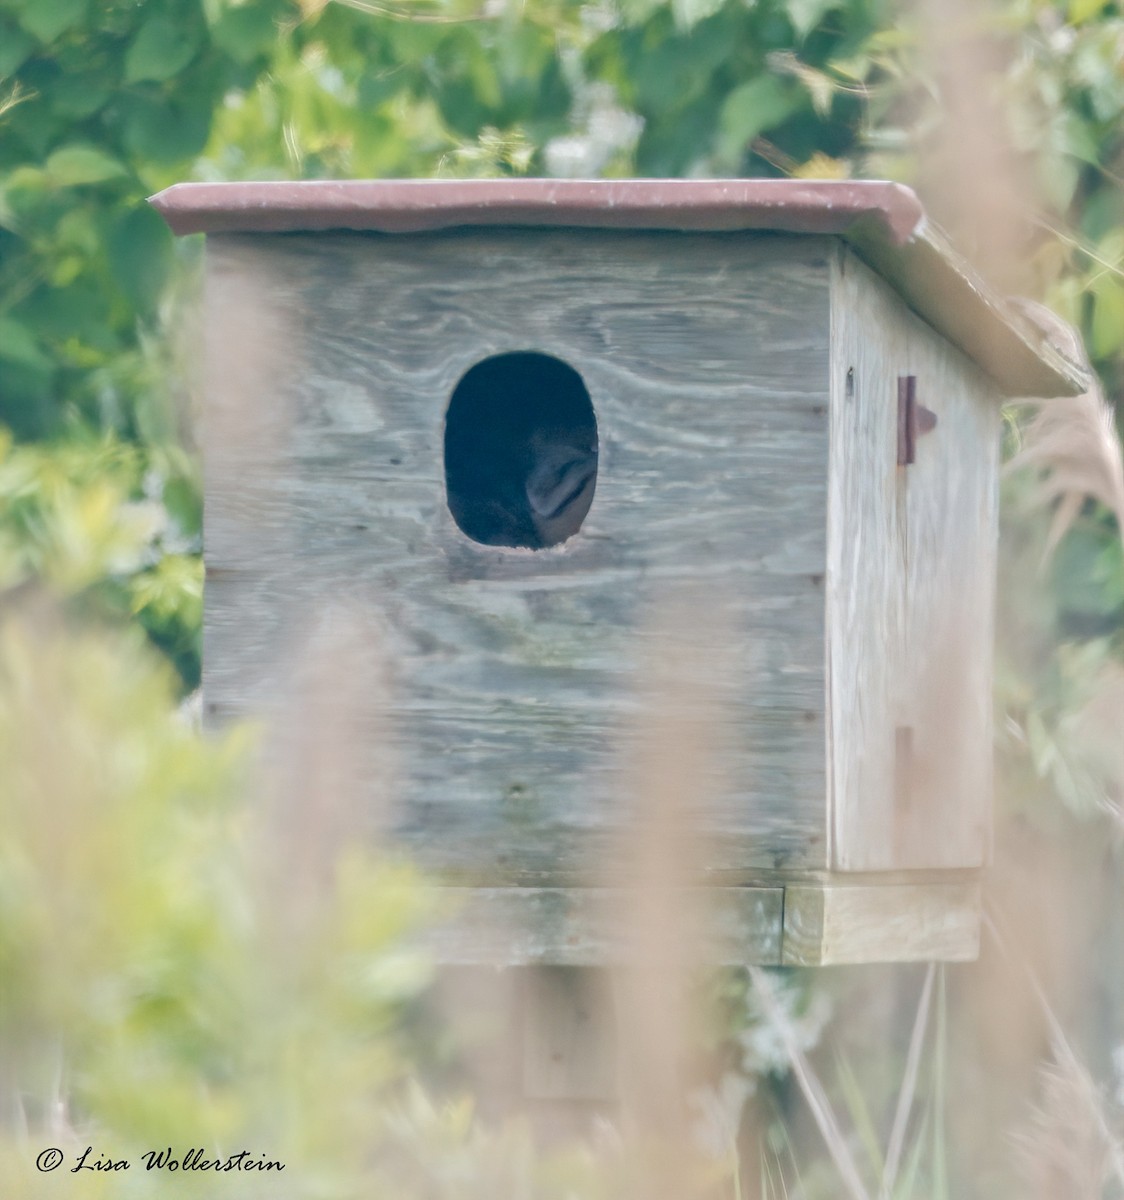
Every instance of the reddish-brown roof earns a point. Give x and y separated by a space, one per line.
412 205
883 221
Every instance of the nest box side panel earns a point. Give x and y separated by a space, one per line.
513 674
912 548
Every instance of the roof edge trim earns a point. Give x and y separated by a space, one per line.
882 220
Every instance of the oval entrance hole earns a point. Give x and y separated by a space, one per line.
520 451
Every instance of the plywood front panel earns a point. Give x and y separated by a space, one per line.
515 674
910 590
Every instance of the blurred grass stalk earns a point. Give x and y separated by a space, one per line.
977 183
672 774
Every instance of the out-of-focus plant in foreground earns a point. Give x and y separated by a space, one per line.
151 995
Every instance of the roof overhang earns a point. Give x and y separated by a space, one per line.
883 222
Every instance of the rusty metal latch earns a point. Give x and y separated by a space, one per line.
914 419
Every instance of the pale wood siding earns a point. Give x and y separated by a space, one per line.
910 590
886 922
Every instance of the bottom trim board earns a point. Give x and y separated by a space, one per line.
804 924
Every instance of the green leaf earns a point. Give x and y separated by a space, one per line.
245 32
183 502
78 310
19 345
667 80
27 405
1108 317
15 46
174 585
1103 212
805 15
752 109
162 133
1058 179
636 12
688 13
46 19
24 179
140 255
1083 10
1079 140
161 49
79 163
79 94
377 86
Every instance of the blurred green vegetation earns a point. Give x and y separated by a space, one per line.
171 965
137 957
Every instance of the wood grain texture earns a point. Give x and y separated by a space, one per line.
706 358
857 923
521 926
910 590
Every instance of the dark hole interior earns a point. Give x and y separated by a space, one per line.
520 451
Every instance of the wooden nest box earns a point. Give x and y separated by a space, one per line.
508 418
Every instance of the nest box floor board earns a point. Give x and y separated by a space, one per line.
796 925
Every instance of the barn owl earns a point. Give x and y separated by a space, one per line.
520 452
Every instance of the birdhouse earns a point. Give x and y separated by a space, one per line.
509 418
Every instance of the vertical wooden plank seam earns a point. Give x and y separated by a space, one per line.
836 265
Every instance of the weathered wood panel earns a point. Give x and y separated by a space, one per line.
910 590
521 926
858 923
522 767
706 360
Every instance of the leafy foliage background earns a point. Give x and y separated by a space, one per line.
103 103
